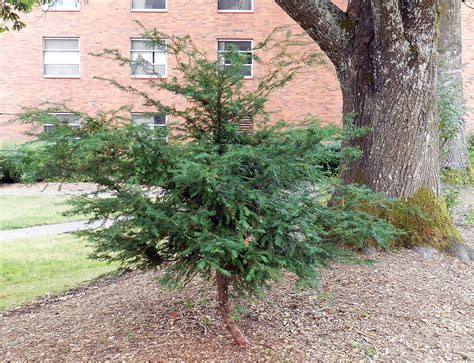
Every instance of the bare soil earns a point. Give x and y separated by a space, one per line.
404 307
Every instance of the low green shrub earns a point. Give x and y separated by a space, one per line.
454 177
21 162
10 163
451 197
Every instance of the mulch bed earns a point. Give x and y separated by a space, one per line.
402 308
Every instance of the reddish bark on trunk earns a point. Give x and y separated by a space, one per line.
225 309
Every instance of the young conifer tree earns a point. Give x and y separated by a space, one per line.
205 198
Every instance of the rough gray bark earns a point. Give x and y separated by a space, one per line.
384 52
454 153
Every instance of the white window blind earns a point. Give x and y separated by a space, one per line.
235 5
151 120
148 59
149 5
243 47
71 119
61 57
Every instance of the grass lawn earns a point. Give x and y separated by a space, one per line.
28 211
34 267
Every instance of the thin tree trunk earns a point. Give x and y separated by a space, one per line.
454 151
454 154
226 311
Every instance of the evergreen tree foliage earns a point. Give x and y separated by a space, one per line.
202 197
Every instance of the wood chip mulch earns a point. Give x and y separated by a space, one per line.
403 307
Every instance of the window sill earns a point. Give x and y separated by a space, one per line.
148 77
62 77
236 11
149 11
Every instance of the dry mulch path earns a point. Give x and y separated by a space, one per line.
402 308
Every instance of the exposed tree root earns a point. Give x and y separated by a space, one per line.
461 251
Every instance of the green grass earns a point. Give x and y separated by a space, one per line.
27 211
34 267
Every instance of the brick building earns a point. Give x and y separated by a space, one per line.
50 61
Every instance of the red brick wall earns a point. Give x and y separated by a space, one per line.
109 24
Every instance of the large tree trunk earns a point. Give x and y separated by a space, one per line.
384 52
390 91
454 153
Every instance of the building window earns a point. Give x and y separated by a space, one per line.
148 5
148 59
243 47
69 118
152 120
235 5
61 5
61 57
246 125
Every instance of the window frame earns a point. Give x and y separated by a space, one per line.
238 40
147 76
62 50
236 11
62 113
152 127
49 7
149 10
